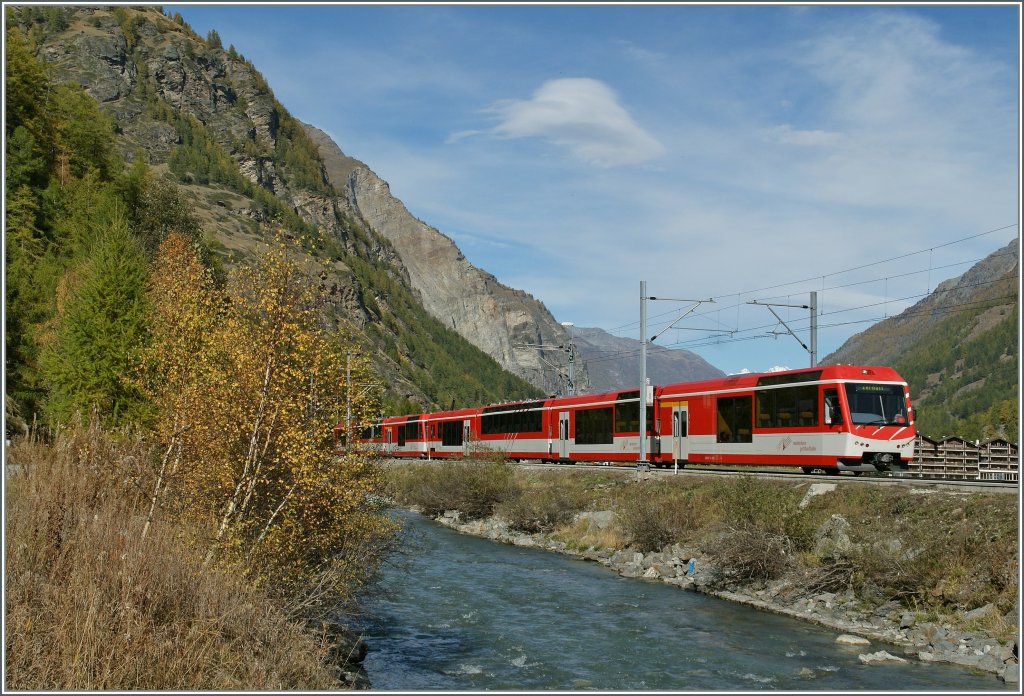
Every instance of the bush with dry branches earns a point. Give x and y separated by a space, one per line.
94 603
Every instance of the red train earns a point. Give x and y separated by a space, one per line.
834 418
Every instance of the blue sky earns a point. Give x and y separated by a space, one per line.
729 152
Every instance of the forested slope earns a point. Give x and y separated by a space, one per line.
170 131
959 349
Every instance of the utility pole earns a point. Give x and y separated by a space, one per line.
643 374
814 328
643 355
813 306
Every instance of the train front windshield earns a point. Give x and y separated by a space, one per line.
877 404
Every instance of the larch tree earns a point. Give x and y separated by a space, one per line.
101 329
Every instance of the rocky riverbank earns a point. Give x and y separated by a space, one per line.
858 620
345 656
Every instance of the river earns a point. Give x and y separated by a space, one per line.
454 612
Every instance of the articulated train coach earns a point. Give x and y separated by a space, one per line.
834 418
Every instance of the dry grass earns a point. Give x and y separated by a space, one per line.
581 535
92 604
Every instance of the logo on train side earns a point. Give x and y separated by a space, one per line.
788 443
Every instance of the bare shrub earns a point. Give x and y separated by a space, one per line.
753 553
473 488
91 604
652 516
540 509
834 576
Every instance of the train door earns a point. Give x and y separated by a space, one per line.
563 435
465 438
680 443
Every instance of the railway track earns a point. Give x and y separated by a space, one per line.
878 480
958 485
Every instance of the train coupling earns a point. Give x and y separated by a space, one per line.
886 461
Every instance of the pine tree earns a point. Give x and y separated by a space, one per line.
102 327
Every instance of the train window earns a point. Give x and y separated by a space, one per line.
679 424
787 407
410 430
833 414
594 427
627 417
512 418
876 404
371 432
735 417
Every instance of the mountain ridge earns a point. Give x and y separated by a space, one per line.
958 348
205 116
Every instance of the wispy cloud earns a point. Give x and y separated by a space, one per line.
787 135
580 114
640 54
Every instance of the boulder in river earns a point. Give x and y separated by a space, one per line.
847 639
880 656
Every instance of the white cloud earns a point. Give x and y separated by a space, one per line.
787 135
582 115
640 54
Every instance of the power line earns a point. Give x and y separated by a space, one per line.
738 295
709 341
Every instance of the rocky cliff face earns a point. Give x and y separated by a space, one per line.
495 318
205 116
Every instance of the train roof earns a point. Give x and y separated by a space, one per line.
741 381
811 374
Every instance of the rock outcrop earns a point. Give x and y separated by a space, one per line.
499 320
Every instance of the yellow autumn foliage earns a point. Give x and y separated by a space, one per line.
248 384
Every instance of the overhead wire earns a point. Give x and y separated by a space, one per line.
739 294
718 340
